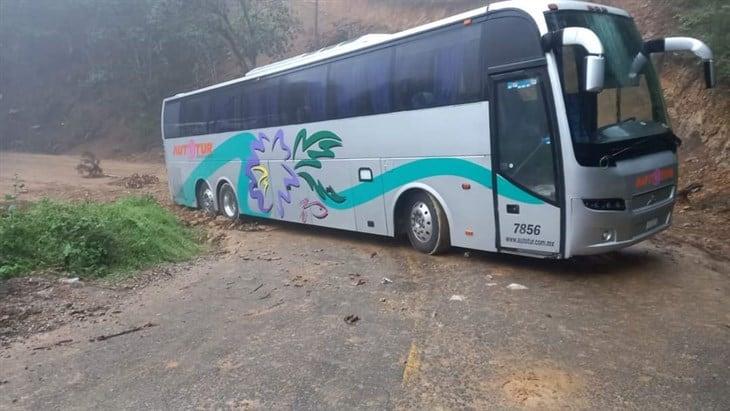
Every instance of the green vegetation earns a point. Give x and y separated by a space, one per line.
68 66
708 20
92 239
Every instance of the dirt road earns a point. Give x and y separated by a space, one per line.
260 325
56 177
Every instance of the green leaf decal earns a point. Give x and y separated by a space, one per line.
322 192
324 141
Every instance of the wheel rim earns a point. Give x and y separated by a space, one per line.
207 201
421 222
229 204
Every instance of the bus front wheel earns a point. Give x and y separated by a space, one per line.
426 224
228 202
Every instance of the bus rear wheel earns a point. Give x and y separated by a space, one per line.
426 224
205 198
228 202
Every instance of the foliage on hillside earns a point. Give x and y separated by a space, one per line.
91 239
70 67
709 20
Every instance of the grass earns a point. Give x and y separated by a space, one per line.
92 239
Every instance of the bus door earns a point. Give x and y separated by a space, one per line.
525 164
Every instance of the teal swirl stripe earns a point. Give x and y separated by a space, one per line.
425 168
238 148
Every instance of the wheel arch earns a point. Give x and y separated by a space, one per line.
401 196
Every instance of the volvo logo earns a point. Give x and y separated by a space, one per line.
651 200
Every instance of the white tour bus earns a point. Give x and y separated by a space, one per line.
528 127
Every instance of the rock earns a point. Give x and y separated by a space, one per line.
72 282
515 286
352 319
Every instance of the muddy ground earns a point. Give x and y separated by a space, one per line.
259 322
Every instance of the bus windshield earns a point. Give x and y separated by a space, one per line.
630 109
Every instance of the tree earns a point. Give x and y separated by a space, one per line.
250 28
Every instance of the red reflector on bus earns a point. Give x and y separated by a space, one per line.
469 233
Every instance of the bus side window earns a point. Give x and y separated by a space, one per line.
194 116
360 85
306 96
224 113
439 69
172 119
511 39
261 104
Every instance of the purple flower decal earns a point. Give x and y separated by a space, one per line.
259 176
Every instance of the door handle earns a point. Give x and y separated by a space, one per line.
513 209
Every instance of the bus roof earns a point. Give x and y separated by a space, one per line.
370 40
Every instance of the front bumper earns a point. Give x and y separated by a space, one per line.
626 227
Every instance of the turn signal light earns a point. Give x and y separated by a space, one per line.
606 204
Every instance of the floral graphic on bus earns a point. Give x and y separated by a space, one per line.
260 181
325 141
269 193
314 209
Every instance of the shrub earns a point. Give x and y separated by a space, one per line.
708 20
92 239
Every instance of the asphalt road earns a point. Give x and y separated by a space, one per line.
262 326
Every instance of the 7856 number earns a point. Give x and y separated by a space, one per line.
529 229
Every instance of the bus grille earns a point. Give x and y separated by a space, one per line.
652 197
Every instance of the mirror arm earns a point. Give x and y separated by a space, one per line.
580 36
662 45
573 36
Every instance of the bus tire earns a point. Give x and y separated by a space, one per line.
228 203
205 198
426 224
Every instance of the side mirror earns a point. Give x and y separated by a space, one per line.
594 62
697 47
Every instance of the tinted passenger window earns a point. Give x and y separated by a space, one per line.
226 110
360 85
510 39
438 70
261 104
524 140
194 116
305 95
172 120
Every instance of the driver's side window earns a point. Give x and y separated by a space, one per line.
524 140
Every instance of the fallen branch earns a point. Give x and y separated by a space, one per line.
129 331
56 344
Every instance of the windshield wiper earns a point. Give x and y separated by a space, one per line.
610 159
